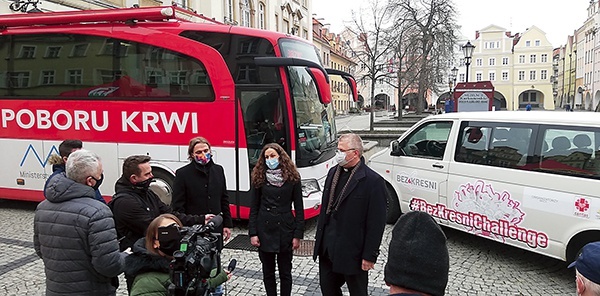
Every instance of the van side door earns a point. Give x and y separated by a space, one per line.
421 169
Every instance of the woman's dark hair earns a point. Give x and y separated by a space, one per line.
288 168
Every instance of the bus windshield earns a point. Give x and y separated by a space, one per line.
315 125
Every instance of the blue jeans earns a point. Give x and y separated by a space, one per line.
218 291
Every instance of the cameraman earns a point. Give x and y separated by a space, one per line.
149 263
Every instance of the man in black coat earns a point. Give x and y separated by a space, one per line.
199 187
135 205
351 222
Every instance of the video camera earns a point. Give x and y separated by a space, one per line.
198 255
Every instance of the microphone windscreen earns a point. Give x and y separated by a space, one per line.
216 221
232 264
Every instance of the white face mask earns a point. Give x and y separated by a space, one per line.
340 158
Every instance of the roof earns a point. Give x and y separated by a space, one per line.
547 117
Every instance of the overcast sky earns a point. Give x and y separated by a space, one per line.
558 18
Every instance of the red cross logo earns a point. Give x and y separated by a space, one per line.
582 205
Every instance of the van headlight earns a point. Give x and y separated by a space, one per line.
309 187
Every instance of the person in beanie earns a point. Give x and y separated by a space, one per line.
587 270
418 260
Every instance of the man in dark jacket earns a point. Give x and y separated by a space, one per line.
135 205
199 187
65 149
75 235
351 221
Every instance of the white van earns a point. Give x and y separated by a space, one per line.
527 179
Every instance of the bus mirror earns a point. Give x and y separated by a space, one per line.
322 85
351 81
396 149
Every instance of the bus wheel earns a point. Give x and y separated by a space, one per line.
162 185
393 206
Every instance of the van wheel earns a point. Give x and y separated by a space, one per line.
393 206
163 185
578 242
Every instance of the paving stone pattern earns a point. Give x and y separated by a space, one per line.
478 266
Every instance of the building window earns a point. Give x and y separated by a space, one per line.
461 77
47 77
245 13
522 59
286 26
532 75
504 76
229 17
75 76
505 61
53 52
261 15
544 74
492 76
537 43
19 79
528 43
79 50
27 52
544 58
521 75
479 62
492 61
479 76
532 58
277 22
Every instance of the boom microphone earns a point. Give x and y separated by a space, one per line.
232 264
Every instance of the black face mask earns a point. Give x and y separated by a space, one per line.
98 182
145 184
169 239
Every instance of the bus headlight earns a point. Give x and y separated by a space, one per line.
309 186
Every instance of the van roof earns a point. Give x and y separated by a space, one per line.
549 117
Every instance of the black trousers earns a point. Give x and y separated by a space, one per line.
284 264
332 282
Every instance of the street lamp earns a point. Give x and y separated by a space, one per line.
468 52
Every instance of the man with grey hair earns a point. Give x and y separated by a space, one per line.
351 221
75 234
587 270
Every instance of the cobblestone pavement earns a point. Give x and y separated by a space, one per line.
478 266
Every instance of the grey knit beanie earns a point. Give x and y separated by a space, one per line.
418 255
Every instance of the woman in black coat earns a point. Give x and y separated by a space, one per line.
273 227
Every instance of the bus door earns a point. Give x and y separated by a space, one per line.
265 120
421 169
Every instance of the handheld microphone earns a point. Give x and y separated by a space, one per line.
232 264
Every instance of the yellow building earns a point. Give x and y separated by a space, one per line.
519 66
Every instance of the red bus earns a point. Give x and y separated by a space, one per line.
147 80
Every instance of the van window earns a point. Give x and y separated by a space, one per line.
502 145
571 152
52 66
429 141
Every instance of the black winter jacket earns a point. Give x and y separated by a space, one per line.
201 190
75 236
271 216
135 207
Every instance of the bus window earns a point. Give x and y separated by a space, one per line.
78 66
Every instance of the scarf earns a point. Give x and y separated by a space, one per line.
275 177
334 203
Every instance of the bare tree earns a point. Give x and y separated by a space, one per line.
435 23
370 28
